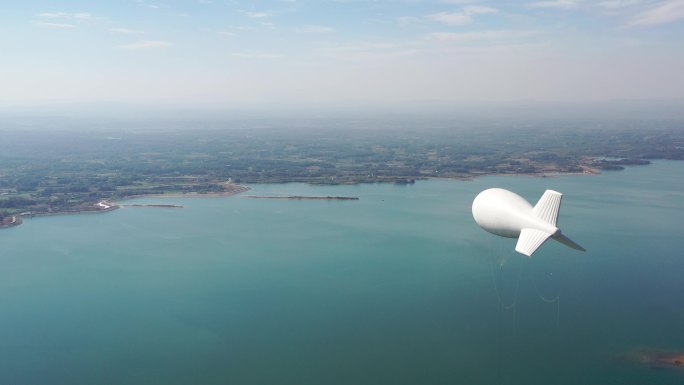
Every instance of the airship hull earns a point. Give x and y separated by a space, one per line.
507 214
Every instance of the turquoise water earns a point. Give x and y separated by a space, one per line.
396 288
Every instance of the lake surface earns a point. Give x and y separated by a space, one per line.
399 287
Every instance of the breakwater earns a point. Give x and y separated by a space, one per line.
301 197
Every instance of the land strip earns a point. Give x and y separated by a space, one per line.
302 197
45 172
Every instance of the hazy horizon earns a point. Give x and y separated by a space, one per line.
350 115
279 53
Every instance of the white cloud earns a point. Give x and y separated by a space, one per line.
482 35
83 16
321 29
406 20
365 46
629 42
459 1
142 3
78 16
126 31
372 51
666 12
53 15
66 19
615 4
475 9
255 15
145 44
454 18
54 25
463 17
260 56
226 33
559 4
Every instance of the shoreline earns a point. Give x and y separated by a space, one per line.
107 205
14 222
302 197
235 189
71 212
154 205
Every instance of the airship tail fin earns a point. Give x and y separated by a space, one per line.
530 240
548 206
547 210
567 241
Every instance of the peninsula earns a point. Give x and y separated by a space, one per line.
10 221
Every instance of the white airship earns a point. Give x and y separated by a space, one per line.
507 214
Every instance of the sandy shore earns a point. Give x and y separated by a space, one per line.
106 205
547 174
15 220
232 189
152 205
71 212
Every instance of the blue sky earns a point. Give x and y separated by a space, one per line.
302 51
